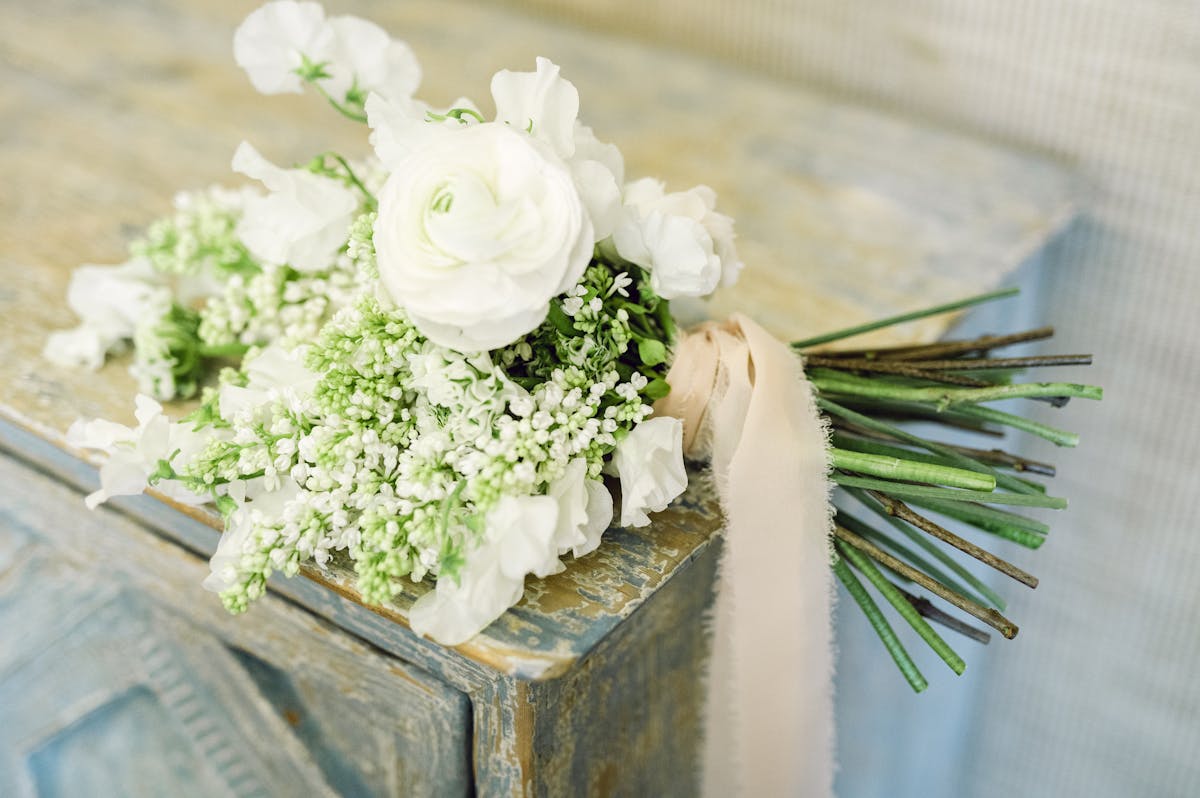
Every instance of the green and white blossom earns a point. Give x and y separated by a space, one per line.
424 366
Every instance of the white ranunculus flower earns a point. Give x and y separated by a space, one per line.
679 238
585 510
479 227
649 462
302 222
134 453
110 302
269 44
547 106
365 57
518 539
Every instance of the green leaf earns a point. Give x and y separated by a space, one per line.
561 321
657 389
652 351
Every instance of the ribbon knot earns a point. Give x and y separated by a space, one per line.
747 408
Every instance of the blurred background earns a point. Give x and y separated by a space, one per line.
1099 695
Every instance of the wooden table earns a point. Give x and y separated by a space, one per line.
117 671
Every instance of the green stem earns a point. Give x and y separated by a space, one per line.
903 317
856 443
947 348
875 536
834 382
989 616
339 107
928 610
1055 435
955 457
922 540
949 494
353 178
906 610
881 626
910 470
978 515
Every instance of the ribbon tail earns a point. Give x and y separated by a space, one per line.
769 710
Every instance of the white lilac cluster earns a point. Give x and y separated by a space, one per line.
444 351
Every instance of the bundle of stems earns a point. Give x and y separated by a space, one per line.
900 479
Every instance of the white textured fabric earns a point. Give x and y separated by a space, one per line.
1098 695
769 703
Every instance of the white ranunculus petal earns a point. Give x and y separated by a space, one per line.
269 43
303 222
541 102
649 462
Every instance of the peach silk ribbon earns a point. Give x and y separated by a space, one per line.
746 405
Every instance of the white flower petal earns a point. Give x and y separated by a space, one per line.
599 517
540 102
363 55
685 245
479 227
303 222
269 43
649 462
134 453
601 195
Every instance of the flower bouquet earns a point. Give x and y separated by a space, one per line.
446 362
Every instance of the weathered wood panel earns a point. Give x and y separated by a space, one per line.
116 679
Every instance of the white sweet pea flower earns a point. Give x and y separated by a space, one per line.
366 59
401 125
110 302
237 541
518 539
542 103
679 238
599 171
585 511
479 227
134 453
272 41
649 461
302 222
547 106
277 372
